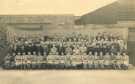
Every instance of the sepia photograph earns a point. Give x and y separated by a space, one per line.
67 41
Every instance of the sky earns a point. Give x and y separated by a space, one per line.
76 7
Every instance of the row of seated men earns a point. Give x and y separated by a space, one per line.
68 61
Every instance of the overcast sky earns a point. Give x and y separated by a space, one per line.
76 7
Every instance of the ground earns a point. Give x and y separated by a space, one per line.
68 77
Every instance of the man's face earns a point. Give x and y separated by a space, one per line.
29 53
23 53
101 54
44 53
124 54
107 53
13 54
90 53
34 53
95 53
18 53
118 53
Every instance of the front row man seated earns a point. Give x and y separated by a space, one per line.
75 61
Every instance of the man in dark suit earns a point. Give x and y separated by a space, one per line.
61 49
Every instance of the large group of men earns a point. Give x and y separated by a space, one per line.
74 51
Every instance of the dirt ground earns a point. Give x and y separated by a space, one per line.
68 77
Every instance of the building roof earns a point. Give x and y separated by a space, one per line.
110 14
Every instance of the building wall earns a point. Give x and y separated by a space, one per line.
131 39
30 25
51 19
